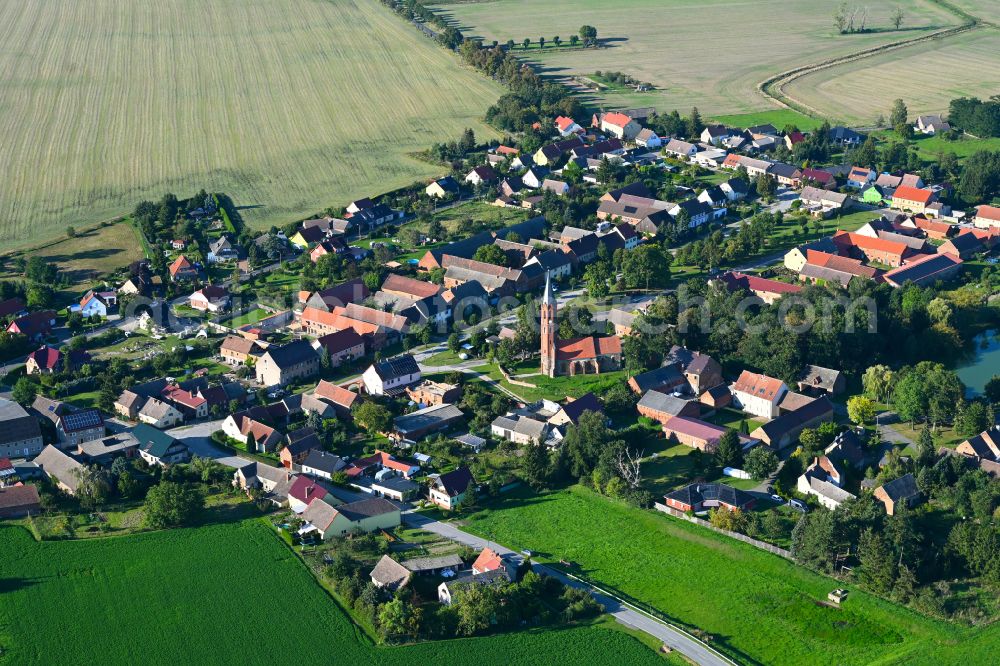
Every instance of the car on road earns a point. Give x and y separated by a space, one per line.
778 498
798 505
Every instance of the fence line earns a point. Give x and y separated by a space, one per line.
771 548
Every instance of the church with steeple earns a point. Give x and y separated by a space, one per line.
589 355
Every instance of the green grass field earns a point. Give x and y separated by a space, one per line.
553 388
223 594
861 90
779 118
759 607
288 106
711 54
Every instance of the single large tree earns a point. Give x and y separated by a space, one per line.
728 452
170 504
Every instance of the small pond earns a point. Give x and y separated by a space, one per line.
975 372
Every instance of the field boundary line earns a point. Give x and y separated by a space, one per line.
773 87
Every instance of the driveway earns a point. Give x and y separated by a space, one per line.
198 438
677 640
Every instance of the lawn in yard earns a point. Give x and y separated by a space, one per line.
552 388
446 357
251 317
493 217
193 596
728 417
759 608
778 117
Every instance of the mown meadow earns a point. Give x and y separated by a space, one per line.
228 593
759 608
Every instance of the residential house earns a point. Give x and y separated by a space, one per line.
35 326
766 290
987 217
901 492
441 565
567 126
374 217
285 364
827 493
663 407
785 174
735 189
925 270
98 303
860 177
571 411
20 434
647 138
237 351
466 248
911 199
481 175
210 298
47 360
222 249
758 394
12 308
61 468
701 371
391 376
72 426
697 212
983 450
342 346
104 450
844 136
699 497
793 138
362 517
931 124
520 429
384 462
782 431
824 202
320 464
448 490
300 444
817 381
825 268
820 177
181 269
344 294
442 188
715 134
159 448
159 414
620 126
679 148
247 424
557 187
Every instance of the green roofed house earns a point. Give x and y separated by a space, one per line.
872 195
157 447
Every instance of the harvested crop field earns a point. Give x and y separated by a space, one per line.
969 65
706 53
223 594
286 105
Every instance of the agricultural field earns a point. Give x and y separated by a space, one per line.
758 607
688 49
87 257
859 91
170 597
289 106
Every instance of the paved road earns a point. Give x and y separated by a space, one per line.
677 640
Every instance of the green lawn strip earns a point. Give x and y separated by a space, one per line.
252 317
778 117
195 596
759 607
553 388
446 357
733 418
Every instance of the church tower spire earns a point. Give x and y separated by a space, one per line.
548 316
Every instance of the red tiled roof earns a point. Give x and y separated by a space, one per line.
46 357
757 385
488 560
694 428
405 285
306 490
838 263
758 284
338 395
989 213
588 347
507 150
907 193
931 225
869 243
616 119
562 122
732 160
180 263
